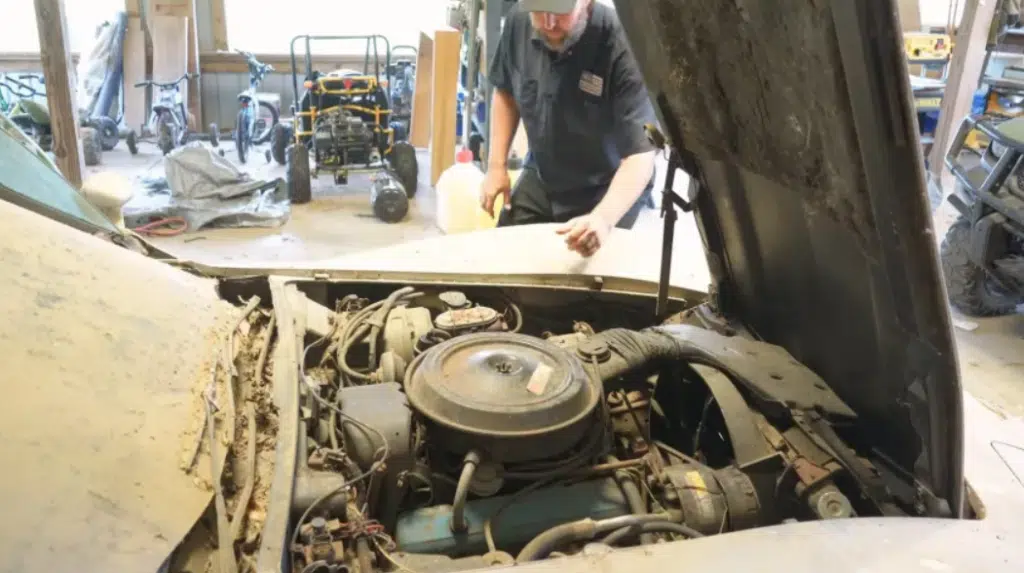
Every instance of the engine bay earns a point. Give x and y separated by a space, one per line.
451 429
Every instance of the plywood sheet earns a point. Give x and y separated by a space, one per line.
191 90
180 8
170 46
134 72
419 130
444 101
170 49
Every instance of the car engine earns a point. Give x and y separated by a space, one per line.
444 434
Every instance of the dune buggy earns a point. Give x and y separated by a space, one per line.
983 251
343 120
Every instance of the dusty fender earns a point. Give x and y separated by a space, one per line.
105 354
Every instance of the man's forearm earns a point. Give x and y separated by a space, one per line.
504 122
630 180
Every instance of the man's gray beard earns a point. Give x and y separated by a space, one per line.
573 36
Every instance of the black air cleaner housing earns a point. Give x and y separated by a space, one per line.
513 397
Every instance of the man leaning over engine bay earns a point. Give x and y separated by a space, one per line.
565 69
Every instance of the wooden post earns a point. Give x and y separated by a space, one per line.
220 26
910 15
195 90
60 95
965 69
419 128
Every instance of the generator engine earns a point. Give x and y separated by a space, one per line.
343 139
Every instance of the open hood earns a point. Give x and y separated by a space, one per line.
795 123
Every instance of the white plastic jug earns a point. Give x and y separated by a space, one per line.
458 199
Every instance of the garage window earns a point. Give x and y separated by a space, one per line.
259 29
18 32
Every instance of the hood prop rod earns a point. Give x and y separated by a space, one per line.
669 201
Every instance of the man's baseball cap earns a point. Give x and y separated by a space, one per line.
553 6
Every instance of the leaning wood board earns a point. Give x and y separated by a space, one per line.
134 72
419 129
444 104
186 9
170 49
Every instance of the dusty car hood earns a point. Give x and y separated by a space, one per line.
523 255
105 353
796 119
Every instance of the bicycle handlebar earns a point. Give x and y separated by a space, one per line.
186 76
19 88
252 61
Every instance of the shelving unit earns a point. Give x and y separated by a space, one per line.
485 15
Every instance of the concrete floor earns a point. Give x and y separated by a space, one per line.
339 222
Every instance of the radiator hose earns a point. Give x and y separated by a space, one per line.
619 351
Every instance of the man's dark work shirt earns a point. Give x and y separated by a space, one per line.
584 110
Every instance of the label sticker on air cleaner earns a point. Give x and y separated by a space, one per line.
539 379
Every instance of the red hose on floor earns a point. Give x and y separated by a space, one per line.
167 227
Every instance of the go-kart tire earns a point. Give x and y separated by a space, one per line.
280 139
214 135
298 178
107 130
92 146
131 141
403 163
969 287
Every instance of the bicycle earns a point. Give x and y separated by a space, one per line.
168 117
252 127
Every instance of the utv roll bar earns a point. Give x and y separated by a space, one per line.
371 46
996 177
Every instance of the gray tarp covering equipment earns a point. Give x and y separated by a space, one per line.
206 189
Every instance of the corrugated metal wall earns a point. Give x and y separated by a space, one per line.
220 95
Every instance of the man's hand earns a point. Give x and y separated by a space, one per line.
496 183
585 234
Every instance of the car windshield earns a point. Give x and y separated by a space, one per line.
28 177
